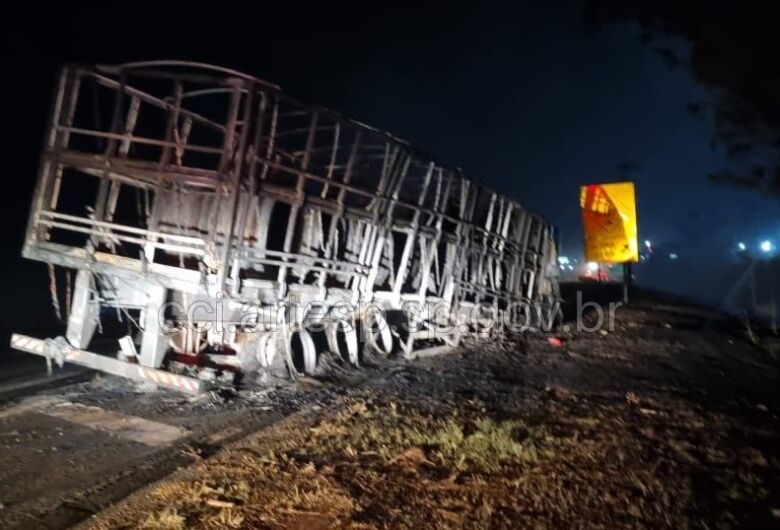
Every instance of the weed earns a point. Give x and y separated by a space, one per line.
167 519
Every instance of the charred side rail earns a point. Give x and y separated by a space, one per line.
221 219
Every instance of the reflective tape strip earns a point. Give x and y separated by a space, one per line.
28 344
188 384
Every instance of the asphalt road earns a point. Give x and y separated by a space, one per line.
22 373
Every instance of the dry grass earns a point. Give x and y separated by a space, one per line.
453 443
391 467
166 519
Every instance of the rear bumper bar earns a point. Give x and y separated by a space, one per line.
109 365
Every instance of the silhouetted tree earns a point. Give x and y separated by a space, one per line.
734 49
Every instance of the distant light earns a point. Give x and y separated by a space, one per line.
672 256
591 266
648 244
563 260
741 246
766 246
571 268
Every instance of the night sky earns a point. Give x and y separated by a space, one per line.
533 101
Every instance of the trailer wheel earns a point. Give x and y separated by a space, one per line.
378 333
303 352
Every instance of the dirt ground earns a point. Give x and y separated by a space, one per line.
668 420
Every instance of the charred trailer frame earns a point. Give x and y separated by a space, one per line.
180 190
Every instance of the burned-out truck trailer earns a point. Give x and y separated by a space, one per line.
235 230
